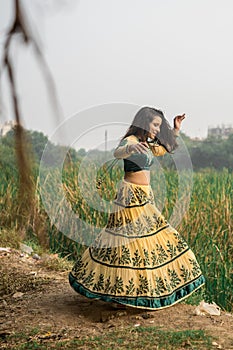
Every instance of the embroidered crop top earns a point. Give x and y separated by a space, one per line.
137 161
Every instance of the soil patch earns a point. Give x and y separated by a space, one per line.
40 299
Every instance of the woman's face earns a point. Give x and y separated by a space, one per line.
154 127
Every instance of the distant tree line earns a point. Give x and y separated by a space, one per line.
208 153
212 152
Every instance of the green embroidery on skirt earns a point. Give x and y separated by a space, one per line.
130 288
185 273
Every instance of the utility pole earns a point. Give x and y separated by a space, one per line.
106 139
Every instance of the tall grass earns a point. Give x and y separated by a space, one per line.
206 225
208 229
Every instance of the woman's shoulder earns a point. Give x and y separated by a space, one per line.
131 138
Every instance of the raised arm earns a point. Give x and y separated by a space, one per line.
177 123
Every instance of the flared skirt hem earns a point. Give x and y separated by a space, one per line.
143 302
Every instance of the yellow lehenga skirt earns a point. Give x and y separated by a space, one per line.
138 259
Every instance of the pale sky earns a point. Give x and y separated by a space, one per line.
171 54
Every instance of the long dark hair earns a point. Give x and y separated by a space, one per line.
140 128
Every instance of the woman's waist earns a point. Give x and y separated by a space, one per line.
141 177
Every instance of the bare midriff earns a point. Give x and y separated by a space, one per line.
138 177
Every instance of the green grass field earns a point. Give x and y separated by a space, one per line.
206 225
128 338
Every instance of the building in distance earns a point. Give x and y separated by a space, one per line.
6 127
220 132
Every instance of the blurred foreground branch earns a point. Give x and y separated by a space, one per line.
26 187
19 27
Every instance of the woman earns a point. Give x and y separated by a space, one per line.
138 259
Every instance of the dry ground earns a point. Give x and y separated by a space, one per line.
49 306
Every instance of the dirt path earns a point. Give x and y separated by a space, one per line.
49 303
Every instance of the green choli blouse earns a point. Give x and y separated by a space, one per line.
137 161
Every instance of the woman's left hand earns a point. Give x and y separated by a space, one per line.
178 120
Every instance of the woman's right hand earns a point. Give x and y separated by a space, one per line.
140 147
